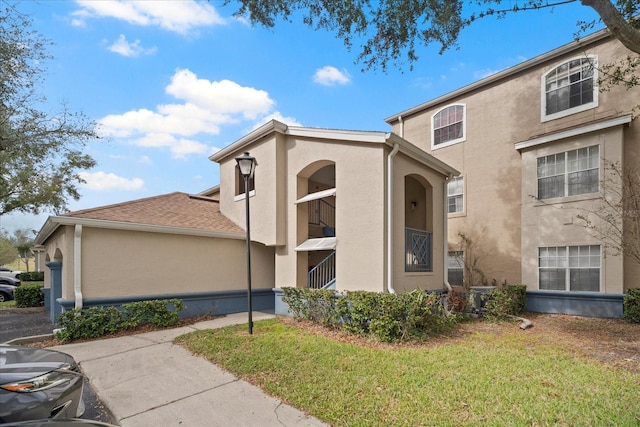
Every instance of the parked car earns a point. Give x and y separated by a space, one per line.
75 422
6 280
37 384
7 292
7 272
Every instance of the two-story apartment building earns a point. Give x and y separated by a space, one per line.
532 144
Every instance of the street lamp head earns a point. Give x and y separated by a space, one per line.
247 165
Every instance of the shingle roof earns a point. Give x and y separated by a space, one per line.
172 210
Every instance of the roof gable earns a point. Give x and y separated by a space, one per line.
174 212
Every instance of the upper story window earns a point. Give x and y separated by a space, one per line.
448 126
455 195
570 173
569 88
240 184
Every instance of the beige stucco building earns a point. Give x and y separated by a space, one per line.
532 144
347 210
484 185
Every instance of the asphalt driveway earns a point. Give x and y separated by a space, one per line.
28 322
24 322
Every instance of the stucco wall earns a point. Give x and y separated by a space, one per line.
498 116
122 263
267 204
555 222
60 245
359 173
402 280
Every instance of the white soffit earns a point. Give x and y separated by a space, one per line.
317 195
581 130
322 244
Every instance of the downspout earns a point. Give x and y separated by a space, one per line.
77 266
401 126
445 228
392 154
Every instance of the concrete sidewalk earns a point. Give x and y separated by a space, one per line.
146 380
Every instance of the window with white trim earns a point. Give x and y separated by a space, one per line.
570 173
240 190
455 195
569 88
448 126
455 268
569 268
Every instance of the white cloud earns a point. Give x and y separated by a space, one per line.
177 16
222 96
124 48
207 105
331 76
103 181
180 147
291 121
145 160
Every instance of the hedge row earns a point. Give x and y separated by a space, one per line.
29 296
387 317
32 276
95 322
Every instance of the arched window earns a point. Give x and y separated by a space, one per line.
569 88
448 126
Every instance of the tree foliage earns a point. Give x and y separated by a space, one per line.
23 241
41 152
8 252
393 30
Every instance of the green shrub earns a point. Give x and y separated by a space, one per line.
92 322
95 322
32 276
385 317
504 302
157 313
631 306
29 296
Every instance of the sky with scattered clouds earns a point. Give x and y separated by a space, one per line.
171 82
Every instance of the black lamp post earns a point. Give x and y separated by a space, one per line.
247 166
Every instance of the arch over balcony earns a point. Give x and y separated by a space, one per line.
418 224
315 225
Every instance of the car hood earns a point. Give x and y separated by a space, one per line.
23 363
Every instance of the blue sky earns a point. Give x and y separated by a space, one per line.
171 82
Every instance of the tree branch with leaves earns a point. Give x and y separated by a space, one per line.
392 31
41 153
616 221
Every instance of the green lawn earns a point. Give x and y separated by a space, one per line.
488 380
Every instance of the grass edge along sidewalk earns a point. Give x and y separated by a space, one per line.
481 378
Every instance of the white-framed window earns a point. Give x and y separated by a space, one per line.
569 268
455 195
448 126
240 190
569 88
570 173
455 268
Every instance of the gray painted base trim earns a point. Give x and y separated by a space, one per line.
589 304
196 304
281 307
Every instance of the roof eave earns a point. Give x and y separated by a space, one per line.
420 155
250 138
54 222
533 62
